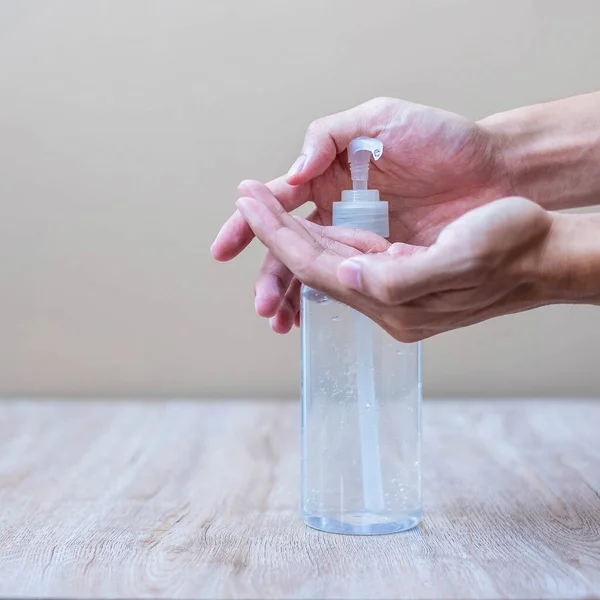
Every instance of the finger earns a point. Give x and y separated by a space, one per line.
398 279
327 137
289 308
274 278
289 196
255 189
292 296
271 285
346 238
402 249
293 246
282 322
235 235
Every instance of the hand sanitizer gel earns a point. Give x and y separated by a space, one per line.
361 397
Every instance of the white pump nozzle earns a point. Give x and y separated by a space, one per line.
360 207
360 151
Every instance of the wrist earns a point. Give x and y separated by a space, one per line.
552 151
567 269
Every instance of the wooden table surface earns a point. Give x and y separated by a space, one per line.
199 499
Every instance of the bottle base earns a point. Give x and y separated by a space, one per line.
363 523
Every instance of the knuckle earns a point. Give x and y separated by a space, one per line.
279 211
316 126
382 102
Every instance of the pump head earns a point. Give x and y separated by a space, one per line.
360 207
360 151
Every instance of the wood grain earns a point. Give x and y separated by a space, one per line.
199 499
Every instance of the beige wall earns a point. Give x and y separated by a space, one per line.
126 125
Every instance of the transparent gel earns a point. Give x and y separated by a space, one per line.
361 422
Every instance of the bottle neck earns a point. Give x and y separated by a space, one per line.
362 209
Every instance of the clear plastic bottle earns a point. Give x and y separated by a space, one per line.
361 398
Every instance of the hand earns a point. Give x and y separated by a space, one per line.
435 167
486 263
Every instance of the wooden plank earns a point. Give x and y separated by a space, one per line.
199 499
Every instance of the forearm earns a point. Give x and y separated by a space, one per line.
568 269
552 150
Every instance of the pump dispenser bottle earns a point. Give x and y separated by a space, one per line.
361 396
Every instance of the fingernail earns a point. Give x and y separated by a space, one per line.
297 166
349 274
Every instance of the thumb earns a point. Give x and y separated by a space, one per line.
327 137
394 278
